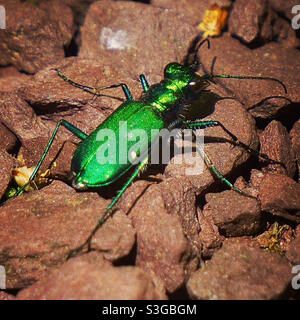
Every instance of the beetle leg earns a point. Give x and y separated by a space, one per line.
96 91
110 209
216 172
205 124
77 132
136 172
144 82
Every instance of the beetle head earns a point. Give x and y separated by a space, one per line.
185 78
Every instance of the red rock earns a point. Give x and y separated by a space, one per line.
19 117
269 60
39 229
12 71
240 270
192 11
255 180
209 236
79 9
58 159
162 248
132 194
6 296
35 35
257 22
283 6
246 19
276 144
234 214
293 248
116 238
6 166
90 277
11 79
280 195
284 33
295 135
8 139
115 35
243 185
179 198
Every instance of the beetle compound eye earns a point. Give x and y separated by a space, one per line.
194 86
197 85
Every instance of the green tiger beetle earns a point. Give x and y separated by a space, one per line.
179 86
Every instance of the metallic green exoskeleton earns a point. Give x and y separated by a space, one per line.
159 107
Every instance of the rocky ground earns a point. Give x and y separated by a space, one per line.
173 235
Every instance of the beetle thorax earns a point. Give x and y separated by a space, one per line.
165 95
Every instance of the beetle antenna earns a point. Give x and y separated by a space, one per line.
196 62
226 76
92 90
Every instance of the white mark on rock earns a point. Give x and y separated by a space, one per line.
115 40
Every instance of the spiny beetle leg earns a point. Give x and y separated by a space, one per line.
109 211
96 91
77 132
217 173
198 124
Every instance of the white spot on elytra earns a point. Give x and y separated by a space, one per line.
115 40
133 155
